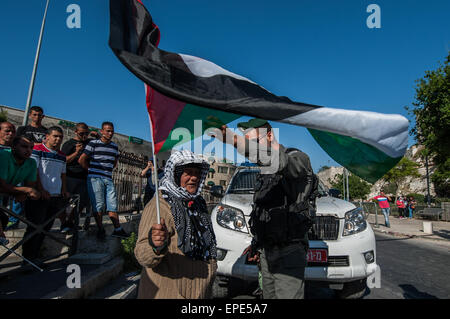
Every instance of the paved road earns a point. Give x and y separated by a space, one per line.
410 269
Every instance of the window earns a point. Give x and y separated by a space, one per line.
223 170
223 183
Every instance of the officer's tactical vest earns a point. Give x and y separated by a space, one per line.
280 217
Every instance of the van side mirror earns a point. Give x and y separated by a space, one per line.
217 191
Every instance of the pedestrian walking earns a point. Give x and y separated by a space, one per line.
401 207
99 158
383 202
178 255
411 206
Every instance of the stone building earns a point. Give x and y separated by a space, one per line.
220 171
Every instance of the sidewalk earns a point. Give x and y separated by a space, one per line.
99 261
411 227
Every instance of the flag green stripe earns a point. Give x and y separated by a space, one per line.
362 159
191 113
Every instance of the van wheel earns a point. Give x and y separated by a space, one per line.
353 290
220 287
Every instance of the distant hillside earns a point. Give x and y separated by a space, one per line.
409 185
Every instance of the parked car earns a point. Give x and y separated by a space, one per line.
342 251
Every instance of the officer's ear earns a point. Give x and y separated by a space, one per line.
270 136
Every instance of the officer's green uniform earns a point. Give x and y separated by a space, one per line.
280 232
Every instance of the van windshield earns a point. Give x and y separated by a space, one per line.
244 182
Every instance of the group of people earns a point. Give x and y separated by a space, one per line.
406 206
38 176
178 252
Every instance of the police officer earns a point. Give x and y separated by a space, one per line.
283 208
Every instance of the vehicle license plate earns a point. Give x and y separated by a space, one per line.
317 256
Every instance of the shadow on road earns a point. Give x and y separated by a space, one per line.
411 292
442 233
392 239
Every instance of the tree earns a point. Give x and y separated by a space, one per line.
358 188
404 168
432 122
3 116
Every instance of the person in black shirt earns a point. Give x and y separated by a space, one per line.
34 131
76 176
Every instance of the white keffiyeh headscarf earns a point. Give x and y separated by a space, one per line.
174 167
196 237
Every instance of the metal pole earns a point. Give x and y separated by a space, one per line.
33 75
346 179
155 170
343 184
12 251
428 182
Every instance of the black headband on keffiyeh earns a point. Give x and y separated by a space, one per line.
196 237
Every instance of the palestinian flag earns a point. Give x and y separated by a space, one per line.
183 88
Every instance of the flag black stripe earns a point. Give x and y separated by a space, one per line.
167 73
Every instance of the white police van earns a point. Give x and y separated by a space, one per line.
342 251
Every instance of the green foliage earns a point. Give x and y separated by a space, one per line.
398 173
358 188
128 245
3 115
441 178
390 188
432 116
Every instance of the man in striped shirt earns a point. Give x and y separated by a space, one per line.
99 158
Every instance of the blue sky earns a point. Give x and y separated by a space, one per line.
318 52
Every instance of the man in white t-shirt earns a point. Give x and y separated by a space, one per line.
51 182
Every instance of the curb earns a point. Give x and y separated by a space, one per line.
398 234
90 282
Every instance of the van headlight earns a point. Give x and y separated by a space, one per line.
354 222
231 218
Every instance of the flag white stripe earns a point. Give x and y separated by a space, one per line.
386 132
204 68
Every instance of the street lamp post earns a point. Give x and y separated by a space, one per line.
33 75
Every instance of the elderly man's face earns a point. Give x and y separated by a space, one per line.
190 179
7 133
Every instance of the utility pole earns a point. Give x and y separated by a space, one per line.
33 75
346 179
428 181
343 184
